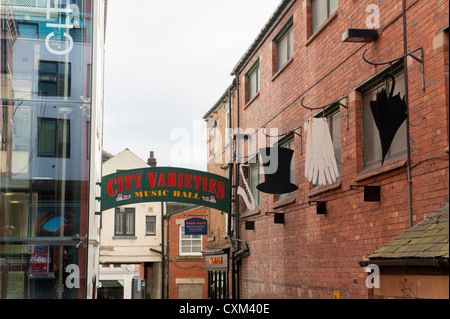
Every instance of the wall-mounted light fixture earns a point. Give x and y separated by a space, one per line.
371 193
360 35
321 206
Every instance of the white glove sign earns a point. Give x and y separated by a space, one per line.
320 163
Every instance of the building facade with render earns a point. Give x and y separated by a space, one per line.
316 241
131 240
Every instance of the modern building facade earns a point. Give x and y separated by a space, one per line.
305 67
51 134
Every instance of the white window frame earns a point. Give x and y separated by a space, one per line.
287 50
147 232
186 238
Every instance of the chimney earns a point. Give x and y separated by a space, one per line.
152 160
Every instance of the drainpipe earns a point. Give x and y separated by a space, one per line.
408 146
163 257
236 294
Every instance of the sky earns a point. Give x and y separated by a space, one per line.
166 64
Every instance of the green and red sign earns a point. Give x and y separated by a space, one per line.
165 184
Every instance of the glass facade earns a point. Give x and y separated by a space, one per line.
46 59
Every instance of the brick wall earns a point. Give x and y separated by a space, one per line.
188 270
311 255
217 227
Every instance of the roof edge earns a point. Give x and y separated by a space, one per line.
417 262
279 12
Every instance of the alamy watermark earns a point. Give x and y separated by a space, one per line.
73 279
373 279
373 19
190 145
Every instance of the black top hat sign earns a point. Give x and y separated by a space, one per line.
389 112
277 164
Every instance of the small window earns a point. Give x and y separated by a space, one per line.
124 221
28 30
190 244
53 137
214 138
227 124
251 173
253 81
321 11
150 225
54 78
285 45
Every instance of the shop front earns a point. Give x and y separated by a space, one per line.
217 267
46 56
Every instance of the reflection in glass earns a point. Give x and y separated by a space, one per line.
46 58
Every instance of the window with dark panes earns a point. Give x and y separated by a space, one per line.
54 78
251 172
150 225
371 139
288 142
53 137
285 45
124 221
253 81
28 30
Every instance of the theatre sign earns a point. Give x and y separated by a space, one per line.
165 184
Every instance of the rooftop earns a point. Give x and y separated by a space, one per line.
428 239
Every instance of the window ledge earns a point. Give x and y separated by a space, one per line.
251 101
390 166
124 237
285 201
282 69
250 213
325 188
190 257
322 27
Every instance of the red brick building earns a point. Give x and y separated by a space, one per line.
221 226
298 68
186 273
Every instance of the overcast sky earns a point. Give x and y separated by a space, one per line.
166 64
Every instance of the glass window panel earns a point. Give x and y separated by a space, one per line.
196 249
28 30
282 51
291 43
371 140
289 143
253 84
118 222
253 181
189 244
45 198
46 136
333 6
319 13
150 225
335 131
48 67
